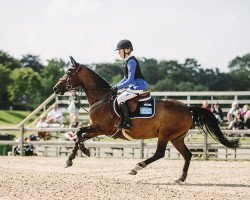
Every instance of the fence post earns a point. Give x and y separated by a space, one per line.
188 99
21 140
205 147
141 149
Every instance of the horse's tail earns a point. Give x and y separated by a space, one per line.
207 123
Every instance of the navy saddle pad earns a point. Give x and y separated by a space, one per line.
145 109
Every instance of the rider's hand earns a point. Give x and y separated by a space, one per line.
114 89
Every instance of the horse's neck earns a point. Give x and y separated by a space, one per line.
94 90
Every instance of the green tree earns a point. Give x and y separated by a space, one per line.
32 61
9 61
177 72
109 70
24 87
149 70
4 82
240 63
239 81
51 74
164 85
240 72
166 68
188 86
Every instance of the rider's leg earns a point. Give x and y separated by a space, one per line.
121 100
125 120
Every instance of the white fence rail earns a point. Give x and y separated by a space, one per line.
204 149
224 98
189 98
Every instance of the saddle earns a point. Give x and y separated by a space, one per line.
132 103
141 106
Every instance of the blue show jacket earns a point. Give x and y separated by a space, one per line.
133 78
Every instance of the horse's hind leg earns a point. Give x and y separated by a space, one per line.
160 153
185 152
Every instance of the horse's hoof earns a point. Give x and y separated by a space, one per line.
133 172
68 164
178 181
87 152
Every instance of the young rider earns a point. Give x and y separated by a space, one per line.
132 83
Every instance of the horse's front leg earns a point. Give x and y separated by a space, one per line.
79 145
72 155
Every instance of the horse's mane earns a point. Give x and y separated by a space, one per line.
98 79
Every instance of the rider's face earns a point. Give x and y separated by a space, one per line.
121 53
124 53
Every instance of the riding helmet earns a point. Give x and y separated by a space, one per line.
124 44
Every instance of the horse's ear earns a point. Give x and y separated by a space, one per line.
74 63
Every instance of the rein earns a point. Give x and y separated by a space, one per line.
98 102
107 97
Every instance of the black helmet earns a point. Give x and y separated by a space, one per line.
124 44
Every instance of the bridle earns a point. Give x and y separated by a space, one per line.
74 73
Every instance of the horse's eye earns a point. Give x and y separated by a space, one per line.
70 71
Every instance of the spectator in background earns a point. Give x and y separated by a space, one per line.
218 112
54 117
74 106
42 123
205 105
29 149
238 122
231 114
71 135
246 115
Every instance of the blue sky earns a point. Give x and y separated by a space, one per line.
211 31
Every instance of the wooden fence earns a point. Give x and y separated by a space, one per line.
201 146
142 149
225 99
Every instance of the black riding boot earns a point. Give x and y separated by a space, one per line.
125 120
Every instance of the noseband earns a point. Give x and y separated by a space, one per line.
72 73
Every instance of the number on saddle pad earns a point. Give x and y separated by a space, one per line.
145 109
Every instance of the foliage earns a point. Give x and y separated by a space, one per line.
50 75
149 70
9 61
24 87
4 82
28 82
240 72
33 62
108 71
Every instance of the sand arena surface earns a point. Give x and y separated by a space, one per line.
93 178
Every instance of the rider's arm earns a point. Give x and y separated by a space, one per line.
131 74
123 79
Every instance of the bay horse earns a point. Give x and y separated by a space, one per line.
171 121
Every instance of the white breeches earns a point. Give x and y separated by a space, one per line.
127 94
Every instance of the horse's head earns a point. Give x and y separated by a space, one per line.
69 80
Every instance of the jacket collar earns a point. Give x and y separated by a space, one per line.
128 57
